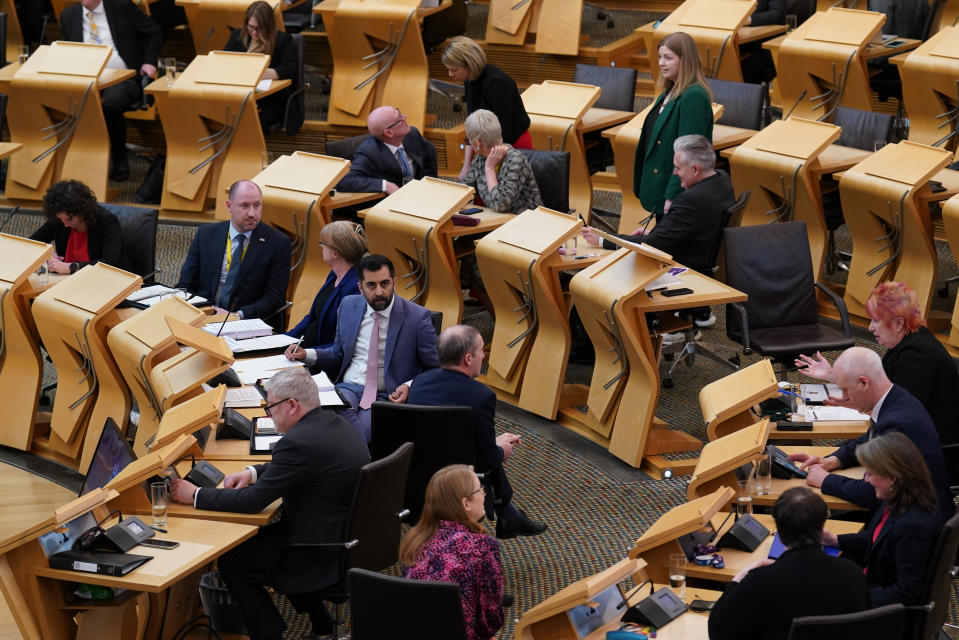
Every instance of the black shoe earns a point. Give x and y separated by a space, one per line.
119 167
521 525
508 600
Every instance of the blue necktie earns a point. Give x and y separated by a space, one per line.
404 163
230 283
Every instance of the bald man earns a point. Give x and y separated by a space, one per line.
396 153
865 387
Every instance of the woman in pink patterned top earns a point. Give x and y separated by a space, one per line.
448 544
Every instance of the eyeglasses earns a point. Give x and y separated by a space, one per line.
402 119
269 408
252 27
475 491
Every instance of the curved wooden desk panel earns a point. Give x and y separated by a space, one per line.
950 218
210 21
930 91
556 24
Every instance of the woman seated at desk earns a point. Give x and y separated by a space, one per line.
259 35
449 544
895 549
81 231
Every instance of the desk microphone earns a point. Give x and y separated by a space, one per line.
283 307
801 96
633 591
230 310
209 34
719 528
10 215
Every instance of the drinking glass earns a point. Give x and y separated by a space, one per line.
764 475
23 54
744 497
159 497
571 245
677 574
169 70
791 21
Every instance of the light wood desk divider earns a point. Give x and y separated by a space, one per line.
73 319
727 403
778 166
950 219
140 343
892 235
55 112
21 363
556 24
532 332
210 21
188 417
212 132
930 89
293 188
719 458
556 111
826 63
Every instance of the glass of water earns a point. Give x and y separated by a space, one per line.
677 574
744 497
159 496
23 54
764 475
791 21
169 70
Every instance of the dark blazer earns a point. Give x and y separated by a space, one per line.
688 231
904 18
802 582
410 341
653 179
325 314
374 163
769 12
900 412
104 241
283 60
497 92
314 468
264 273
136 36
897 561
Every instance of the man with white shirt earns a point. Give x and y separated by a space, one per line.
136 40
395 153
865 387
376 365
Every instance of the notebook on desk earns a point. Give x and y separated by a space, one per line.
778 548
103 562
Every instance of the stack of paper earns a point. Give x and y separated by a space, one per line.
832 414
243 397
154 293
262 343
328 395
239 329
252 369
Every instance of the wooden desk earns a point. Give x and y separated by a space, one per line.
179 510
556 24
217 451
596 119
929 88
779 485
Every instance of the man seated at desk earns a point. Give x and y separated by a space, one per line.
375 365
689 229
460 351
315 468
243 265
865 387
136 40
762 600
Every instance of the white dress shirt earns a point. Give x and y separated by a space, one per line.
102 36
393 153
356 372
225 268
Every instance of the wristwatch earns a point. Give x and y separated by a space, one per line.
74 267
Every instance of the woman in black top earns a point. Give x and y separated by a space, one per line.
259 35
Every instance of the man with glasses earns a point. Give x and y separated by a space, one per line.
395 154
315 467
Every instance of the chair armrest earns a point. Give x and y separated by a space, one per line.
744 319
840 305
349 544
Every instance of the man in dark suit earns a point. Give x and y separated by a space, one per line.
762 600
460 351
859 373
396 151
136 40
315 467
405 344
242 265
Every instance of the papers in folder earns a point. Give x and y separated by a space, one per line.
328 395
252 369
261 343
241 397
154 293
833 414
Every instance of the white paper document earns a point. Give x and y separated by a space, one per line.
818 392
264 85
240 329
328 396
252 369
154 293
243 397
262 443
832 414
262 343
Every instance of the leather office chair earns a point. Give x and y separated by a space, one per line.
618 85
295 109
925 621
551 170
138 227
742 102
409 609
439 26
300 17
345 147
772 265
881 622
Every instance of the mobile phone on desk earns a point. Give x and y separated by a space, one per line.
669 293
160 544
471 210
702 605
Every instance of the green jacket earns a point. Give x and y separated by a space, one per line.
653 179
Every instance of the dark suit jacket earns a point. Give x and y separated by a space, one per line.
900 412
897 561
314 468
137 37
497 92
283 60
374 163
802 582
689 229
325 314
264 273
769 12
653 179
410 341
104 241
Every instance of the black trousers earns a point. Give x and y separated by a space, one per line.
115 100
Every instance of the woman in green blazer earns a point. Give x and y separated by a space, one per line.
683 108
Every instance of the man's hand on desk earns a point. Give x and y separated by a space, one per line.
399 396
182 491
390 187
149 70
592 239
238 480
830 463
815 475
506 442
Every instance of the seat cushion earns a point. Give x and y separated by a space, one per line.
785 342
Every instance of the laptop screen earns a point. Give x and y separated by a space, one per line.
112 454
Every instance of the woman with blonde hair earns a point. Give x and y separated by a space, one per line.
448 544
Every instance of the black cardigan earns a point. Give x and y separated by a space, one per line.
104 240
496 91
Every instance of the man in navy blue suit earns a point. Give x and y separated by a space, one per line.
460 351
394 152
858 372
242 265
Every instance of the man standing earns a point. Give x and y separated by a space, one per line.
375 365
460 351
136 40
315 468
243 265
396 152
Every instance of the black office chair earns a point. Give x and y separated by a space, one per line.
742 102
138 227
436 319
771 264
3 40
551 170
411 609
442 436
925 621
299 17
618 85
345 147
439 26
295 110
871 624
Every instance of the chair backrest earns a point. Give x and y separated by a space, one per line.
742 102
881 622
138 227
772 265
937 584
442 436
345 147
618 85
436 319
730 211
412 609
3 109
551 170
861 129
296 106
3 40
439 26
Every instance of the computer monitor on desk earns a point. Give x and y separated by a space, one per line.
112 455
